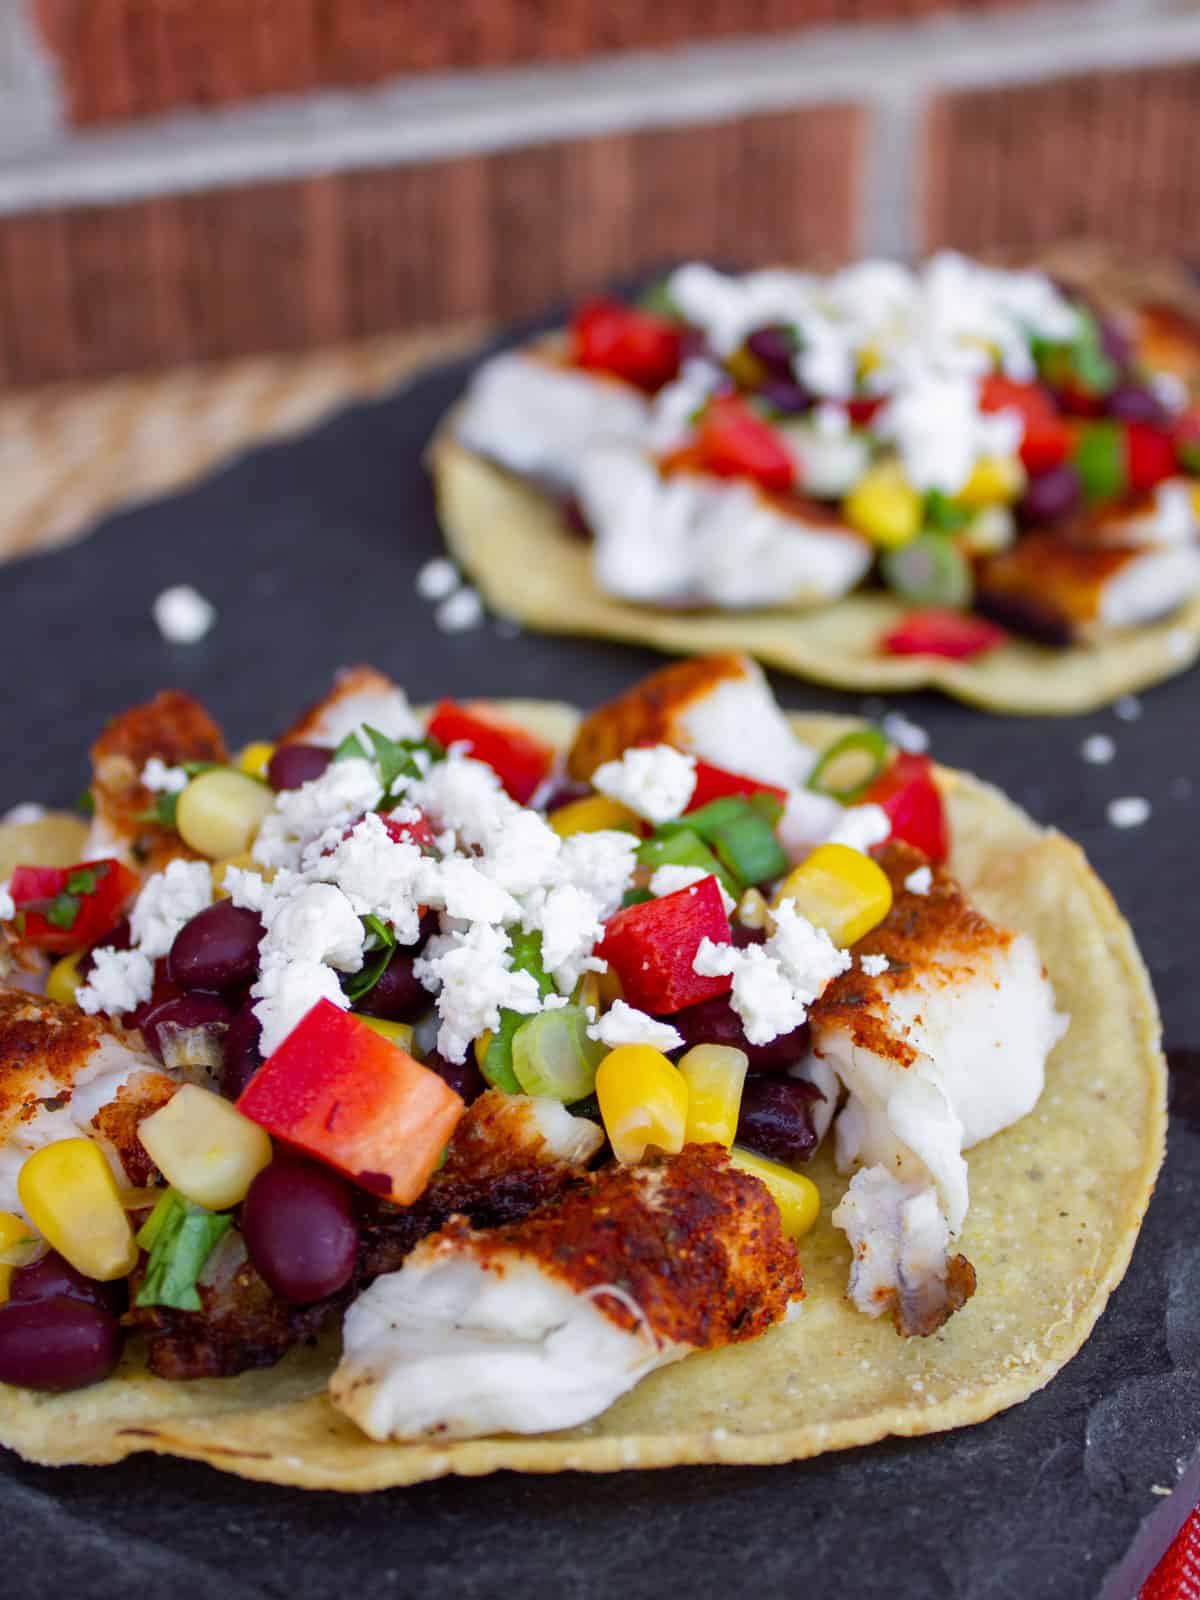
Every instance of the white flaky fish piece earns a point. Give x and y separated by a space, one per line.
360 697
64 1075
941 1049
542 1325
688 538
717 707
538 417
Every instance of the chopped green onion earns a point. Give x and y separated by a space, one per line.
1100 460
180 1237
931 571
657 299
553 1056
865 750
497 1063
707 818
685 849
942 515
747 847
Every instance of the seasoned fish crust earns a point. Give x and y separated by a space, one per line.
350 681
697 1245
40 1039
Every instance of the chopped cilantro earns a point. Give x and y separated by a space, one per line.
380 944
395 758
180 1237
496 1065
162 811
87 803
84 879
63 910
942 515
657 300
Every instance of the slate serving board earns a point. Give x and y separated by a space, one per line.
309 551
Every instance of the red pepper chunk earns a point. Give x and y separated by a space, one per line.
714 783
1149 455
520 761
635 345
342 1093
733 442
909 795
69 908
954 635
651 948
1046 441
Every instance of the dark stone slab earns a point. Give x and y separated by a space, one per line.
309 550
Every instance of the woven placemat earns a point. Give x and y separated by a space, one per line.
72 453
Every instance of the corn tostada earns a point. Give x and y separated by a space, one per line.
962 475
414 1094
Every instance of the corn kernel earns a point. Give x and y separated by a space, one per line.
246 862
481 1047
643 1102
611 988
592 814
752 909
884 506
253 758
16 1236
400 1033
63 978
587 993
798 1198
839 889
205 1147
715 1075
70 1195
746 370
220 812
994 480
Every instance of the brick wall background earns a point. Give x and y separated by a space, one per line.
417 163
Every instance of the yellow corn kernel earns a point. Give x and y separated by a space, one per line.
481 1047
246 861
400 1033
220 812
592 814
868 359
643 1102
1196 500
839 889
587 993
994 480
63 978
798 1198
752 909
252 759
611 989
69 1194
746 370
715 1075
884 506
15 1237
205 1147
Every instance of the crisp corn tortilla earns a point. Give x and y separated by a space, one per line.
1056 1202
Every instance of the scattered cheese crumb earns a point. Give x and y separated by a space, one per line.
1131 811
905 735
657 782
7 909
874 966
671 878
27 811
159 778
1128 708
182 614
625 1024
919 880
437 579
462 611
1098 749
861 828
1180 644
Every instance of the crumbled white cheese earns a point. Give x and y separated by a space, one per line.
26 811
158 777
874 966
119 981
437 579
904 734
669 879
470 972
570 925
7 909
342 793
379 876
182 614
286 991
458 887
1128 708
1130 811
624 1024
940 433
1098 749
167 901
775 983
919 880
601 864
318 924
861 827
674 407
655 782
460 611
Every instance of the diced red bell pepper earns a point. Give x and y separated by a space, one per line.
733 442
909 795
1149 455
1186 434
714 783
956 635
863 409
419 832
70 908
342 1093
520 761
635 345
1046 441
651 948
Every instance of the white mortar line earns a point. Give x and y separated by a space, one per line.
424 119
30 104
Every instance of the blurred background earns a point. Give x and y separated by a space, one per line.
187 181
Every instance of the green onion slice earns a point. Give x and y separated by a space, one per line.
747 847
850 766
552 1055
180 1237
685 849
931 571
497 1063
